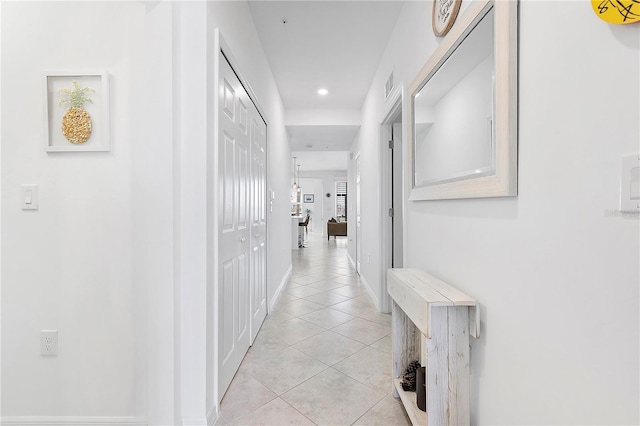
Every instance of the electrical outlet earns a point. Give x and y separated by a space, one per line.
49 342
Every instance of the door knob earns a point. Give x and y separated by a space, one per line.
243 239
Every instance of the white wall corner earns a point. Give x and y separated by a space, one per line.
278 292
157 239
191 208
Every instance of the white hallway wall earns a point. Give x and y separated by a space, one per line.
181 383
69 265
116 254
556 274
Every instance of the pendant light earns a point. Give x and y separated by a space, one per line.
295 185
299 188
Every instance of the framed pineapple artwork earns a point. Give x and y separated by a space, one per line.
77 112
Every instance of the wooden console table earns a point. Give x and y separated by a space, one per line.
432 322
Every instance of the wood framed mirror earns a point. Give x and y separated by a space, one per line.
463 109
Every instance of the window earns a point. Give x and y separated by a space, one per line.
341 201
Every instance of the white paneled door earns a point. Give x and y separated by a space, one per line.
258 286
242 223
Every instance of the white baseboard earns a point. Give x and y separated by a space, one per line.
373 295
72 421
194 421
281 287
212 415
353 263
371 292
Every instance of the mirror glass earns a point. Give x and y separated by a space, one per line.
454 137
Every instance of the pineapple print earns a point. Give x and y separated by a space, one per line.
76 123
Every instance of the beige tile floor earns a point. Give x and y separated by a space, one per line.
323 356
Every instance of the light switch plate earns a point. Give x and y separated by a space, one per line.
630 183
29 197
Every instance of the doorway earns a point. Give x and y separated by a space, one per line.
392 195
341 201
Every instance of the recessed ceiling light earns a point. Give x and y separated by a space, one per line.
322 92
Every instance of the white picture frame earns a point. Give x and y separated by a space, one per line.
503 181
97 108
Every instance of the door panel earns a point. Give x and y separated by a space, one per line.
243 295
255 272
258 221
228 187
243 116
242 223
233 233
243 187
227 285
229 100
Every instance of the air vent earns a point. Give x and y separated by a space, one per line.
388 86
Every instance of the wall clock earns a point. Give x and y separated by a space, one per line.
444 15
617 11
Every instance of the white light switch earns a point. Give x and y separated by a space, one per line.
29 197
630 183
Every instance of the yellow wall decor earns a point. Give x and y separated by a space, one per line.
617 11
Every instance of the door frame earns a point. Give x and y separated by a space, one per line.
393 111
358 206
220 46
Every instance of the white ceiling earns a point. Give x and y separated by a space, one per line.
320 161
322 138
336 45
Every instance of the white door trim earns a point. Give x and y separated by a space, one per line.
394 102
358 203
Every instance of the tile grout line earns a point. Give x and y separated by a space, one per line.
319 270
